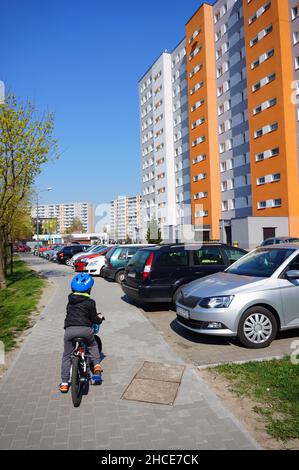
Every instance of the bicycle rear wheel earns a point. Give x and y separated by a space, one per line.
76 383
99 343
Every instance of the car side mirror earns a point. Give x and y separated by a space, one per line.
294 274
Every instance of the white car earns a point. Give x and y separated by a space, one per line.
92 249
95 265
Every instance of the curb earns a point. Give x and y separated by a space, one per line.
247 361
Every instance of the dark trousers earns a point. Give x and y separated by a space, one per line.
77 332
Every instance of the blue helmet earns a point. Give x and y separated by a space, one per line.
82 283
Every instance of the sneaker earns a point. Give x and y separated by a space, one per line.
64 387
97 369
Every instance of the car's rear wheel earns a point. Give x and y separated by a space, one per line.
120 277
68 262
257 328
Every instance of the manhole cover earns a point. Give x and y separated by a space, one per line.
155 383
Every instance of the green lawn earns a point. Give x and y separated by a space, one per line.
274 386
17 302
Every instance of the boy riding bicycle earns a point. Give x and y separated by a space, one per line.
80 318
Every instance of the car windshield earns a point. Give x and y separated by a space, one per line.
260 263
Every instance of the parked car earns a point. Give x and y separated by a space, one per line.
252 300
49 254
82 262
94 266
279 241
158 274
91 250
117 259
22 248
65 255
42 249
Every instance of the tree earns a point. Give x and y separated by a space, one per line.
153 234
76 227
26 143
22 227
49 226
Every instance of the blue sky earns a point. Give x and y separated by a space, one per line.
83 60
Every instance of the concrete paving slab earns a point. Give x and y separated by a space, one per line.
159 371
152 391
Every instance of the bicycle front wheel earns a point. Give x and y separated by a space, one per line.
76 383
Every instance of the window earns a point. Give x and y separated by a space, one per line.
174 258
200 176
261 35
295 12
257 86
260 263
198 141
197 123
196 69
295 37
199 158
267 154
208 256
259 12
202 195
266 105
233 254
267 55
266 130
197 105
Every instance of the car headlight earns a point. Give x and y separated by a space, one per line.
83 260
216 302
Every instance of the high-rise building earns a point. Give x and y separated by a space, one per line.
165 142
125 218
242 60
65 215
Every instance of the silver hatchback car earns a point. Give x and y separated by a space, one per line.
253 299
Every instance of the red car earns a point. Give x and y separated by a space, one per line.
80 263
23 248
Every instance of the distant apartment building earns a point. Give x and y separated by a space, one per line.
125 218
65 215
242 61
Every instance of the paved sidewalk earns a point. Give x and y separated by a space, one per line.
34 415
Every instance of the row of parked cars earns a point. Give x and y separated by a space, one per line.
217 289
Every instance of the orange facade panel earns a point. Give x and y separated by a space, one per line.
201 72
269 80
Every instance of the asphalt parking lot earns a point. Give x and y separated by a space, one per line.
201 350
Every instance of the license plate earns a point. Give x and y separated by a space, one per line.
183 313
132 275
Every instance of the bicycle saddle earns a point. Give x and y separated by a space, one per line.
79 340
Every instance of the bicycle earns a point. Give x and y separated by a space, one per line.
81 370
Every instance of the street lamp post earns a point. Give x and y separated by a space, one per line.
37 207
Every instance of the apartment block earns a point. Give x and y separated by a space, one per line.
65 215
165 143
242 75
126 218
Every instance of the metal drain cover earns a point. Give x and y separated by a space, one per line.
155 383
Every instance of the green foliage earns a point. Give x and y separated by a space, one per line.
76 227
26 143
17 301
274 385
49 226
153 234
